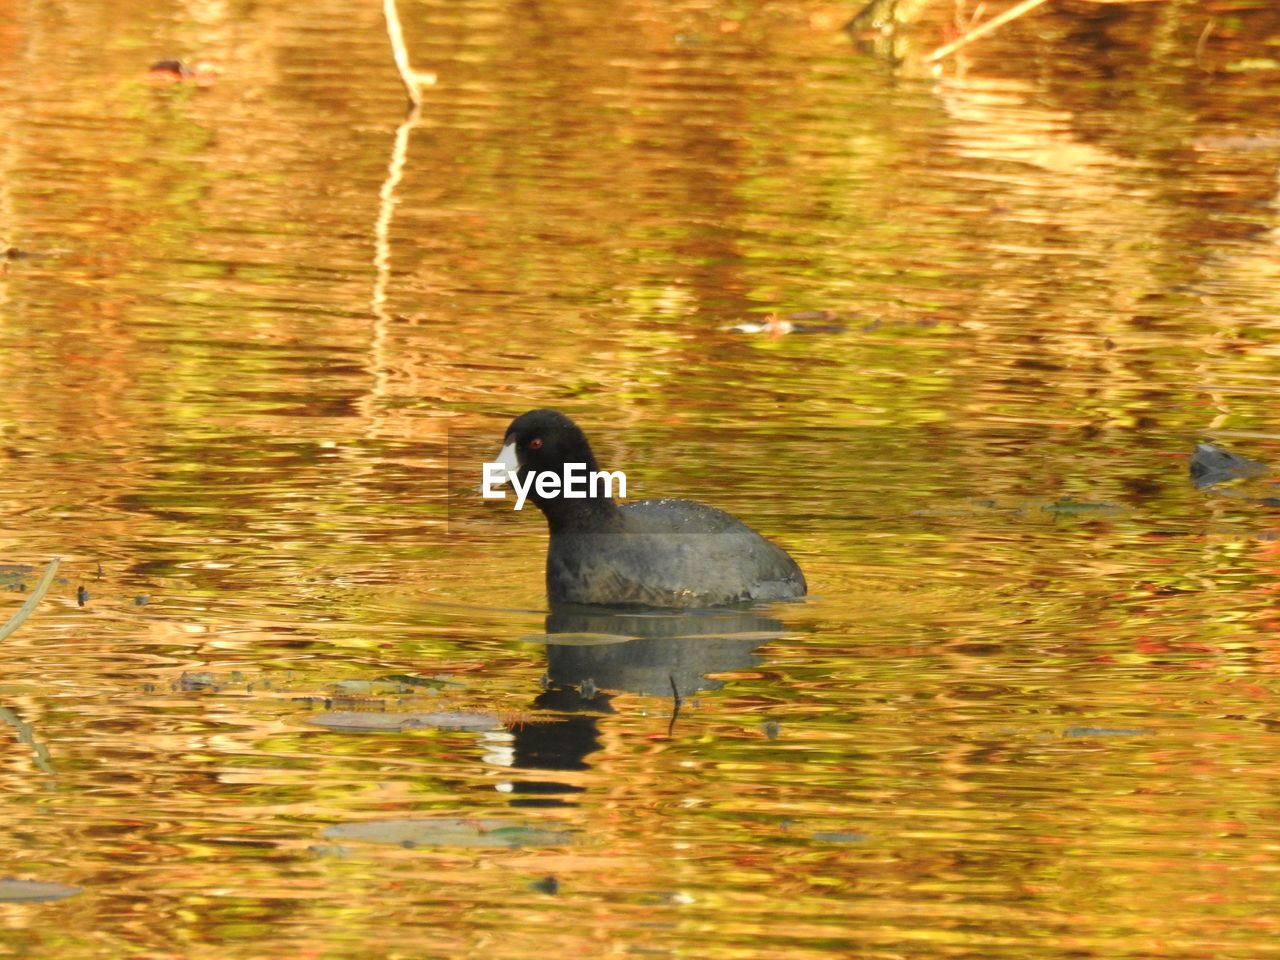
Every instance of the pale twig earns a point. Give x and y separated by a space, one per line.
999 20
1204 40
414 80
386 209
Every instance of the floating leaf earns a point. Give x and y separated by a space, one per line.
840 836
1249 141
430 683
577 639
448 832
365 688
1104 732
12 891
1069 506
356 720
1252 65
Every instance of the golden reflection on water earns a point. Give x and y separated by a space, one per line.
1028 710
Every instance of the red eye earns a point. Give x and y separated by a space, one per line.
535 443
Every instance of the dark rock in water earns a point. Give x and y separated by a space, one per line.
1210 465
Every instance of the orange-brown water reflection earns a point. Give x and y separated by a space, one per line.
1029 710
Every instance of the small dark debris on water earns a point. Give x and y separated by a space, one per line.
548 885
9 254
1211 465
165 73
82 596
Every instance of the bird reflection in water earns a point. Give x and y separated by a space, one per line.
594 653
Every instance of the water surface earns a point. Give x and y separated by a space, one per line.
256 357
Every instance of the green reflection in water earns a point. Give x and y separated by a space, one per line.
1027 712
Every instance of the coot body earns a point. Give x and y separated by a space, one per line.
651 553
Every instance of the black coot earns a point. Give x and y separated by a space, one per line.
653 553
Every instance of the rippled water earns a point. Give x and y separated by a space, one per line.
295 691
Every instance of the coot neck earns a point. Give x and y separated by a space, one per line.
594 513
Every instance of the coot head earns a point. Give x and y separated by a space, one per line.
542 440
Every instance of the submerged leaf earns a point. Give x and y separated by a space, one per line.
577 639
840 836
1105 732
1072 506
12 891
448 832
